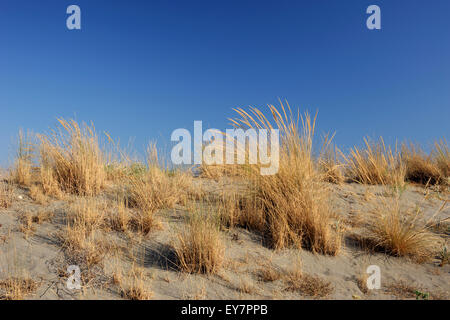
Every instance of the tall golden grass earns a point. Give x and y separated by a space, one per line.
293 203
72 159
22 170
376 164
330 162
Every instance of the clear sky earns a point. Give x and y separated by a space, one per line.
140 69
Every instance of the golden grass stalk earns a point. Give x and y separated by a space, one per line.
71 156
376 164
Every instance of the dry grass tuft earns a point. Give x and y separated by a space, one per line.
401 289
81 237
246 286
306 284
243 210
49 184
38 195
400 231
268 273
404 290
26 224
154 189
15 288
199 248
41 216
311 286
6 195
330 162
89 213
420 168
293 203
361 282
427 169
376 164
136 289
71 158
82 247
28 219
22 172
442 157
120 219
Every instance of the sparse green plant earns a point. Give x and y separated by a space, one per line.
422 295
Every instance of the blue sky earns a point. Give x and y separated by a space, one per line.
140 69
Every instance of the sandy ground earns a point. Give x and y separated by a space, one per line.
40 256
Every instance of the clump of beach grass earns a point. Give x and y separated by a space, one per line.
6 195
199 248
293 203
22 171
376 164
81 237
154 189
71 159
401 230
427 169
16 288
